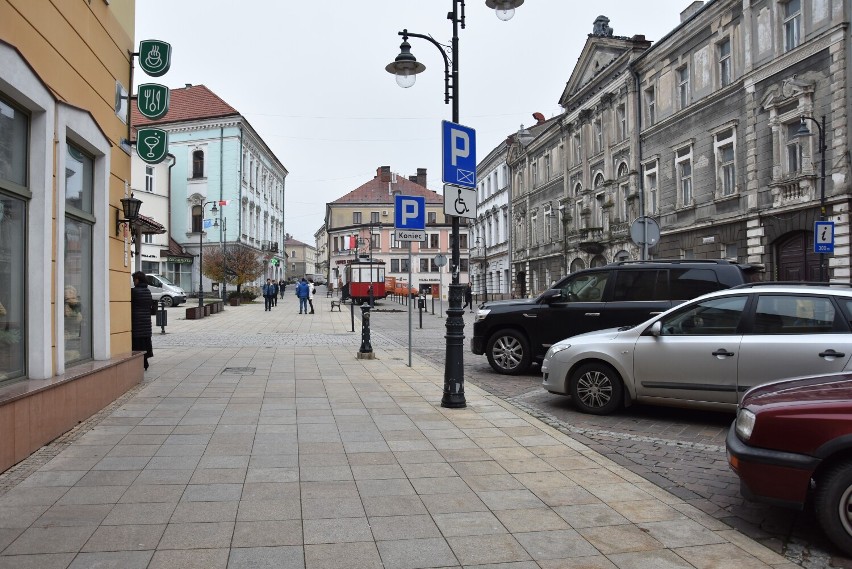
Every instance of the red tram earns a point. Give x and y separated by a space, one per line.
361 274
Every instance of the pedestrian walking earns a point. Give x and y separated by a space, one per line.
311 292
275 293
140 316
282 286
468 298
268 295
303 291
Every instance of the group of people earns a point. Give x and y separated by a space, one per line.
270 293
304 291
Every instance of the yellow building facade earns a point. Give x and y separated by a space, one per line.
65 345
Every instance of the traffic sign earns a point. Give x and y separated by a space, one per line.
440 260
152 144
824 237
458 149
155 57
645 231
459 202
409 217
152 100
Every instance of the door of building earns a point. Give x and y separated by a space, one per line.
796 258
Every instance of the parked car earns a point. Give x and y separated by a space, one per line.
163 288
514 333
707 352
791 445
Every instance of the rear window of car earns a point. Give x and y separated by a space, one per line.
690 283
639 285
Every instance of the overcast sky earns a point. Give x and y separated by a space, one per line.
309 76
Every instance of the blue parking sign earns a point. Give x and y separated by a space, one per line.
458 144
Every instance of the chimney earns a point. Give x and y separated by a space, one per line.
421 177
384 173
690 10
188 85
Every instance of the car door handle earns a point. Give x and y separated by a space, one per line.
655 313
529 316
723 352
592 314
831 354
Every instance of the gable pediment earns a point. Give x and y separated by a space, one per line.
598 54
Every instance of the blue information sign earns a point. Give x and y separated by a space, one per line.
458 145
824 237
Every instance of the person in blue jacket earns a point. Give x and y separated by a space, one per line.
268 295
303 291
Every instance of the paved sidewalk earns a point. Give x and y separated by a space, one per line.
259 440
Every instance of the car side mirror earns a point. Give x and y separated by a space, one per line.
654 330
551 295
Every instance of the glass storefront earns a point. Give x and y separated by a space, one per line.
79 189
180 274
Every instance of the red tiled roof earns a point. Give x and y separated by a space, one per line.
187 104
149 226
376 192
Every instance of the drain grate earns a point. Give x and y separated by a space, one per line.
238 371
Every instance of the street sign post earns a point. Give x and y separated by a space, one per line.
824 237
458 149
440 262
409 218
460 202
152 144
155 57
152 100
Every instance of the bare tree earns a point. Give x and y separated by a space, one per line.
236 266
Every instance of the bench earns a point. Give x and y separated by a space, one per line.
329 293
336 303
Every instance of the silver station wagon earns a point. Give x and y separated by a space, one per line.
709 351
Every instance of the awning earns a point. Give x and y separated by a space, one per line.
148 226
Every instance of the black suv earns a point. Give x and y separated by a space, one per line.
514 332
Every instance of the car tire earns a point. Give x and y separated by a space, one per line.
833 504
596 388
167 301
508 352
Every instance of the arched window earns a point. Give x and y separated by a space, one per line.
196 219
577 264
198 164
622 170
578 189
599 180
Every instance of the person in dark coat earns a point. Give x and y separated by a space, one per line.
140 316
275 295
268 295
468 298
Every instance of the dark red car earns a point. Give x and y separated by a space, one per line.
791 445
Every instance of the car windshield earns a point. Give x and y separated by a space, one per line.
165 281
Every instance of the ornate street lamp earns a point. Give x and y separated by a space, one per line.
214 210
130 209
406 67
804 132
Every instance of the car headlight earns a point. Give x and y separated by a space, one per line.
482 313
555 349
745 423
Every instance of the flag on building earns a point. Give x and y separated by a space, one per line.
224 202
352 241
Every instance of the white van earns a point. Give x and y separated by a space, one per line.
163 288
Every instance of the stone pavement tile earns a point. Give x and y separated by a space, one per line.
387 528
41 479
317 508
722 556
133 537
313 460
555 544
259 462
479 550
362 555
125 449
80 495
227 462
173 463
139 514
212 493
418 457
370 458
79 451
165 476
510 499
702 518
370 446
177 450
594 562
319 448
149 493
453 503
57 539
590 515
377 472
680 533
752 547
108 478
535 519
478 468
510 453
493 482
339 489
267 533
145 439
646 511
468 524
70 463
428 470
526 466
197 535
218 476
616 493
570 462
285 557
8 535
448 485
392 487
463 443
619 539
187 512
270 490
42 561
262 510
341 530
21 517
122 463
190 559
416 553
112 560
73 514
273 474
658 559
324 473
392 505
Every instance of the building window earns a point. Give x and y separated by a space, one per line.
196 219
651 106
598 201
394 265
198 164
149 179
598 136
725 160
464 265
375 241
424 265
687 253
434 241
535 174
147 238
547 172
578 149
79 189
794 149
621 115
534 226
792 24
730 251
431 217
683 86
683 167
548 218
651 187
356 218
374 217
13 297
724 48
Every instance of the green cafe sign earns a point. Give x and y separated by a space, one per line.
152 144
155 57
152 100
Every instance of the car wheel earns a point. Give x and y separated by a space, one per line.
596 389
833 504
509 352
167 301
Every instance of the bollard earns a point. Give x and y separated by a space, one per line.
366 350
433 305
421 305
162 317
352 313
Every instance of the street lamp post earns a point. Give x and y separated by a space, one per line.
214 211
406 67
803 132
224 256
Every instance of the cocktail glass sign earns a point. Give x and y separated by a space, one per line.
152 144
152 100
155 57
